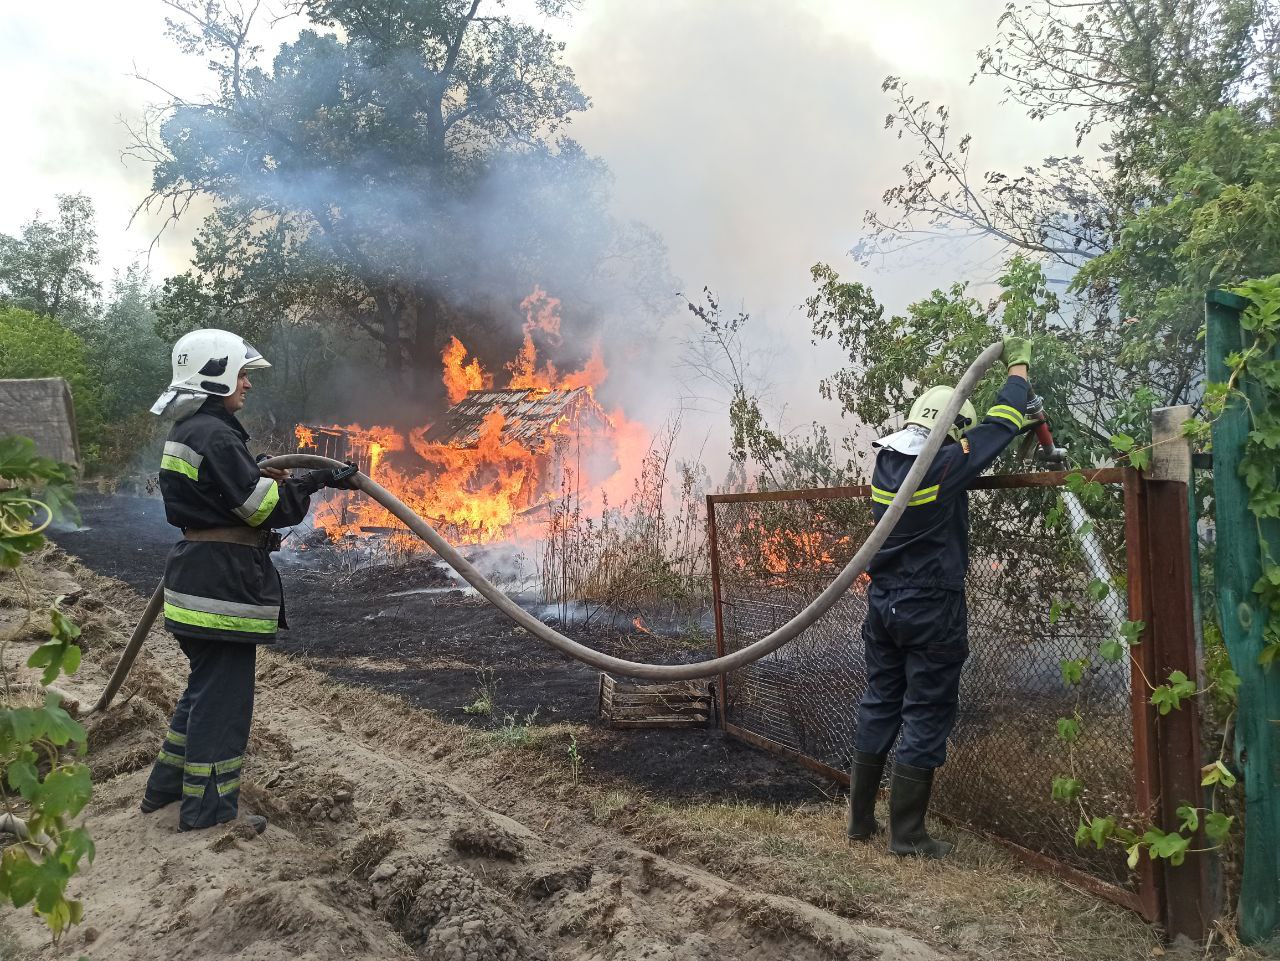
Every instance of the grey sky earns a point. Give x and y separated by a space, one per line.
749 133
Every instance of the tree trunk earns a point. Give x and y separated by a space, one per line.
429 318
390 319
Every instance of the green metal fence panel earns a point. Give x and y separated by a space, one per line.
1237 569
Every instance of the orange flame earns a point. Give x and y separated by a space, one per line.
490 489
459 378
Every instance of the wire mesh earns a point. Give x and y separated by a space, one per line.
1037 565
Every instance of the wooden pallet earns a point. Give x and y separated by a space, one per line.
683 704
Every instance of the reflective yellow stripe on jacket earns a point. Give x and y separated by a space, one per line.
182 459
260 503
925 495
220 615
1011 414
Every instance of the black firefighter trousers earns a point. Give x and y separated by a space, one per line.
203 751
916 640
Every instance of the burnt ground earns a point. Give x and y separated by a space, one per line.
377 628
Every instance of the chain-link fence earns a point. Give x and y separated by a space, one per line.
1046 584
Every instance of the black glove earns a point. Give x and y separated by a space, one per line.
343 478
339 478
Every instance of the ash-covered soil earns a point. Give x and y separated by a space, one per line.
399 629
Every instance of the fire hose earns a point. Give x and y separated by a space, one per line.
606 662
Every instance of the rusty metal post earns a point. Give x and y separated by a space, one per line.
1171 636
714 547
1146 772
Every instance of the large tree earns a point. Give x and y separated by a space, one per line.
402 175
1175 100
47 268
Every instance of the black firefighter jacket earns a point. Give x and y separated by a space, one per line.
215 590
930 545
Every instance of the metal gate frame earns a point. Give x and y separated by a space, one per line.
1166 750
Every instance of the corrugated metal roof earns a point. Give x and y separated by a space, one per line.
528 414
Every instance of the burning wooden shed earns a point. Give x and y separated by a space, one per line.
531 417
489 461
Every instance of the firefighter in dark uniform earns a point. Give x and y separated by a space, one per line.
222 595
916 629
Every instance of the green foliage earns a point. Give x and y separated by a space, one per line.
1068 729
129 361
1170 845
1168 697
1112 649
36 345
369 207
47 269
39 785
1131 631
515 731
1073 669
484 695
1186 198
892 358
1188 817
1066 789
1090 492
1096 830
1217 773
1217 826
23 515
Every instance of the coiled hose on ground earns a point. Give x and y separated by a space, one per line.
605 662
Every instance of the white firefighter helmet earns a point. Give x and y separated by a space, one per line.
929 405
206 363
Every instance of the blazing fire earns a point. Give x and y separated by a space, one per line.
497 455
787 552
460 378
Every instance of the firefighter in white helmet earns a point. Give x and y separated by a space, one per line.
916 628
222 595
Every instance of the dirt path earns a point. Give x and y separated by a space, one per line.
392 836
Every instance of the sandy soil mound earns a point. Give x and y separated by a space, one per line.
383 842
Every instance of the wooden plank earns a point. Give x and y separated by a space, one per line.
1170 451
658 710
1237 567
632 697
840 777
662 722
678 687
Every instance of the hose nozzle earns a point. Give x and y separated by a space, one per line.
1041 437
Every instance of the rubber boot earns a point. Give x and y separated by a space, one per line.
150 805
909 792
865 772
